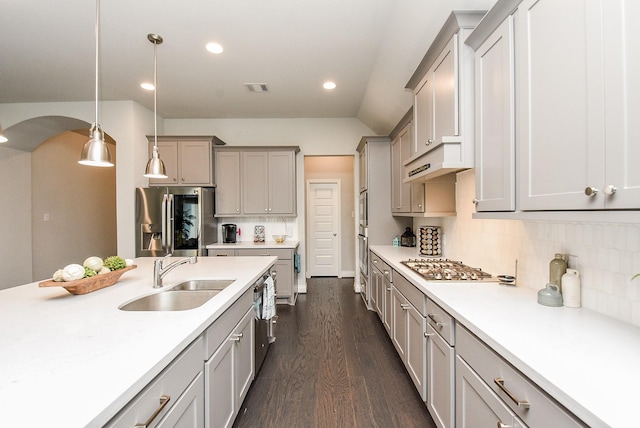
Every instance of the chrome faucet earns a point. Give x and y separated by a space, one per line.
159 271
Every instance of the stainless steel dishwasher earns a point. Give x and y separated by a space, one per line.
264 328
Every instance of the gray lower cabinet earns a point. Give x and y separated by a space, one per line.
286 275
490 392
176 394
440 366
409 330
477 404
229 362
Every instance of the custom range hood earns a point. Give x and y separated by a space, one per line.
443 103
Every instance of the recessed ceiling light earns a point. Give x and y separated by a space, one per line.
329 85
148 86
215 48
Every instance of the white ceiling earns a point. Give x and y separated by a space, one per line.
370 48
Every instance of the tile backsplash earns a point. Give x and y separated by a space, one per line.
607 255
272 226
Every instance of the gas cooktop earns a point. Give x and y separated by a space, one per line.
447 270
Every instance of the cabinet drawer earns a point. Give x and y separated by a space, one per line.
281 253
212 252
542 411
172 382
221 328
441 321
411 292
381 266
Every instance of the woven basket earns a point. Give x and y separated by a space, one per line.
87 285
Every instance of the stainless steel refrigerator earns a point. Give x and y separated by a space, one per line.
177 221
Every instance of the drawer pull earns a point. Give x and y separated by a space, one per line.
500 382
404 306
427 334
433 318
236 337
164 400
386 272
501 425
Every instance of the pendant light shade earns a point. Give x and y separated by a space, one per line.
95 151
155 166
3 139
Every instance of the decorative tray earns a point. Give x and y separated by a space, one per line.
87 285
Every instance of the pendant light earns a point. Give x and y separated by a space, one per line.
155 166
95 151
3 139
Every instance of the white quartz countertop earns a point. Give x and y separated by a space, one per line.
75 360
252 245
588 362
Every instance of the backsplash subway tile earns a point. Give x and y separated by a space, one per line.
607 255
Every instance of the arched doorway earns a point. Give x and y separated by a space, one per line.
57 211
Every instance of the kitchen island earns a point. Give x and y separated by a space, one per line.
586 361
76 360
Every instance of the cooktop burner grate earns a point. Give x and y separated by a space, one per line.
447 270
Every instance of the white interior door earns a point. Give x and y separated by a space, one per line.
323 235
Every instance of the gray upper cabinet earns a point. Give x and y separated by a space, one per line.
572 105
400 191
443 103
188 161
228 188
495 121
254 181
269 182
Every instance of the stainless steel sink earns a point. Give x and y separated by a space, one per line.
203 284
170 300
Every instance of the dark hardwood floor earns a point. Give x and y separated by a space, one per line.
332 365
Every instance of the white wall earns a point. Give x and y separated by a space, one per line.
15 217
608 254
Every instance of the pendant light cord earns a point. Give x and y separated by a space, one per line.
155 95
97 54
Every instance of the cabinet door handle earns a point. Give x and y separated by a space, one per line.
610 190
164 400
433 318
236 337
386 272
404 306
429 141
427 334
591 191
521 403
388 289
501 425
475 201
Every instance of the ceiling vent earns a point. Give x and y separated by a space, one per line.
257 87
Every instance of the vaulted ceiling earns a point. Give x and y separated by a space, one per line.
369 48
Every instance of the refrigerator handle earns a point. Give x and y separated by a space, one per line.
170 224
164 222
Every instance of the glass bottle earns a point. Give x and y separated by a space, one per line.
557 268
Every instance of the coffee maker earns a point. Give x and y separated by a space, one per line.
229 232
